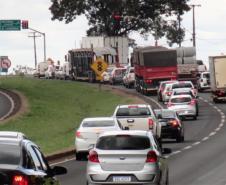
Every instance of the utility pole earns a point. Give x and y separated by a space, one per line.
44 40
34 38
194 34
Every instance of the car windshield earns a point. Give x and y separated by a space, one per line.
101 123
182 85
133 111
181 100
9 154
123 142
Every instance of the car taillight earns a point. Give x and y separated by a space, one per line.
148 81
150 123
193 102
93 157
174 123
168 93
20 180
151 157
78 134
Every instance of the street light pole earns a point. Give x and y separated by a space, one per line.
34 37
44 40
194 34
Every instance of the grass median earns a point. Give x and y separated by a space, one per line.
56 109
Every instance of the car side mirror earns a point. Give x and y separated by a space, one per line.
166 151
59 170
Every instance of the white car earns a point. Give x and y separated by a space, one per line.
203 81
184 84
167 92
127 158
106 75
89 130
129 77
184 105
138 117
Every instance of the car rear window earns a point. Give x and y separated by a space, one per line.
181 100
9 154
123 142
168 114
133 111
182 85
183 92
102 123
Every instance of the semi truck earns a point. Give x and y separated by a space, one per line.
80 61
152 65
156 64
217 66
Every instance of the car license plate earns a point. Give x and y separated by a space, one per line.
122 179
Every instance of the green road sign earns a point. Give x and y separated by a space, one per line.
10 25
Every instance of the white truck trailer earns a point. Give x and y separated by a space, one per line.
120 44
217 66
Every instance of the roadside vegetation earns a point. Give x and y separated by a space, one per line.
56 109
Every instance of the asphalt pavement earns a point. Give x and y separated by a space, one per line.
5 105
200 160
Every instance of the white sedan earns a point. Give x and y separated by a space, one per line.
184 105
89 130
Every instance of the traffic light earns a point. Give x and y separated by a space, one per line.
24 24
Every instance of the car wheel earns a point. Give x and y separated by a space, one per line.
167 178
194 117
78 156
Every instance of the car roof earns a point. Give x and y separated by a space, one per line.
125 132
11 134
133 105
168 82
99 119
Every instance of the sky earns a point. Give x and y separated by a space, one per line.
61 37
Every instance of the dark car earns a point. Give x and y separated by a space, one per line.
172 126
22 163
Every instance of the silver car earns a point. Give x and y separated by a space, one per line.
184 105
127 157
89 130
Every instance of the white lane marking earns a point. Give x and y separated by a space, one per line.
217 129
196 143
212 133
176 152
205 138
12 105
187 147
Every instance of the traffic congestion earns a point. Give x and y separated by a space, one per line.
116 92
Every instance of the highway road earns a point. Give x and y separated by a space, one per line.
6 105
200 160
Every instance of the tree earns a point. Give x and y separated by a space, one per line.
120 17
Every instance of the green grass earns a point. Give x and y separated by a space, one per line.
56 109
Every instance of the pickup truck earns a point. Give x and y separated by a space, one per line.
138 117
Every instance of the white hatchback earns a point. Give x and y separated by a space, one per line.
89 130
184 105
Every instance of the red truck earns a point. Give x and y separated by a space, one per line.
152 65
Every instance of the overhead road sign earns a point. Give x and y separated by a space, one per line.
10 25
